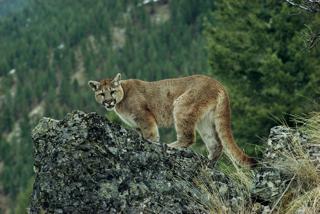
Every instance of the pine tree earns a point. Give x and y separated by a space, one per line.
257 50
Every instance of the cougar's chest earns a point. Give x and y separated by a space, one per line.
127 118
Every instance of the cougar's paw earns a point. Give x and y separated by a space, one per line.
212 164
177 144
155 141
214 156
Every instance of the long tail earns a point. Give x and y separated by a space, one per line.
223 126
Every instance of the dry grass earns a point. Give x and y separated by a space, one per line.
212 197
308 202
238 174
302 194
311 126
213 202
297 162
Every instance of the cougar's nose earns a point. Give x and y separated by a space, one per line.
109 102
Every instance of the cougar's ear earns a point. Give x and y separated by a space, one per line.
94 85
116 80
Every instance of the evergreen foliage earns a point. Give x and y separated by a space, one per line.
50 49
257 49
55 47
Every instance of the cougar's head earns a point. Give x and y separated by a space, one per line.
108 92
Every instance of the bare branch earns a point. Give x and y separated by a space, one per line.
308 5
312 6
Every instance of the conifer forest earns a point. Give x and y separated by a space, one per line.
262 51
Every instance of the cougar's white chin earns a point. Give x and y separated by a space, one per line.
109 108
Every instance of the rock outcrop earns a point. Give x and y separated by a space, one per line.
270 180
86 164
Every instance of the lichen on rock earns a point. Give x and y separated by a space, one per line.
271 180
85 164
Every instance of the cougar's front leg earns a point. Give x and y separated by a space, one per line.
148 127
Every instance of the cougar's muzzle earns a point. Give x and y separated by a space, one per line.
109 104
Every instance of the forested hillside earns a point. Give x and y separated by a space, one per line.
11 6
258 49
50 49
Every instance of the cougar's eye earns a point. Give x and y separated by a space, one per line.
112 93
101 94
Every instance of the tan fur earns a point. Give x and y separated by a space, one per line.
195 103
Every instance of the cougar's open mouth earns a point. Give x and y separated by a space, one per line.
109 104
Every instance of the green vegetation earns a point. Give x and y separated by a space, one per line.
49 49
11 6
257 49
302 192
56 47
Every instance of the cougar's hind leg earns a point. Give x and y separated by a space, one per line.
209 136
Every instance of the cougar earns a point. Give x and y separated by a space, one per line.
194 103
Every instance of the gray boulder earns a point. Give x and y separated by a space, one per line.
270 181
85 164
